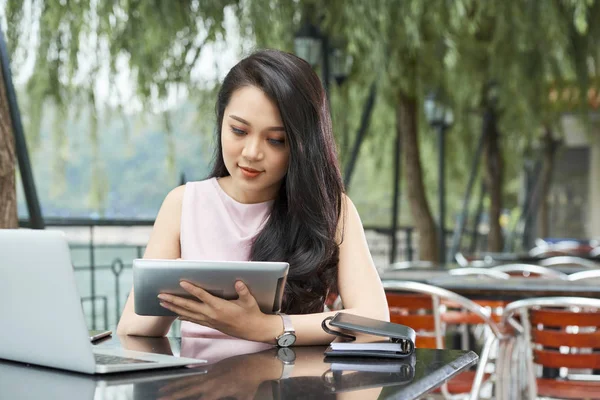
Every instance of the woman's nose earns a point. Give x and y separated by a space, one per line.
252 149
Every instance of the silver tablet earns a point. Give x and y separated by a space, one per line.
266 281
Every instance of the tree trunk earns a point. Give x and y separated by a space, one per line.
549 150
8 194
494 171
406 124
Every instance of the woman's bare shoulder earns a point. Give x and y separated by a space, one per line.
348 218
174 198
170 210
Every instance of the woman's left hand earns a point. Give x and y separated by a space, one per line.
241 318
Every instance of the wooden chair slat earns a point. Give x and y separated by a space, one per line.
568 389
409 301
425 342
557 318
484 303
549 338
492 303
554 359
460 317
417 322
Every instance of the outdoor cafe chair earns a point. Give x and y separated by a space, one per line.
530 270
589 274
558 333
461 259
563 247
412 264
465 262
569 260
479 271
495 305
421 307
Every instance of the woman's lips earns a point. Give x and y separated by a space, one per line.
249 172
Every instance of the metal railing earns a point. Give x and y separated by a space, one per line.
109 265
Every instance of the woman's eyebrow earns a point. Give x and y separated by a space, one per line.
243 121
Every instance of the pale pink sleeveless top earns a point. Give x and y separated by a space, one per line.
214 226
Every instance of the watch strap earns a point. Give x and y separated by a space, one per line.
287 370
287 323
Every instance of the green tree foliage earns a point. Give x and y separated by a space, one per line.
73 43
527 47
160 42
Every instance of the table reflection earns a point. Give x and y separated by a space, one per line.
258 376
267 373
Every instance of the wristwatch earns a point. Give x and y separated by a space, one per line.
288 337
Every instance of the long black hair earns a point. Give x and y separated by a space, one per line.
302 226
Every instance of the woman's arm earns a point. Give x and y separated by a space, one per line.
358 281
163 244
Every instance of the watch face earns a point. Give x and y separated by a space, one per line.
287 339
286 354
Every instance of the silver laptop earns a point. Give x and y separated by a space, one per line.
41 313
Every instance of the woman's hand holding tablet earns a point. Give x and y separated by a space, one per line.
224 295
265 281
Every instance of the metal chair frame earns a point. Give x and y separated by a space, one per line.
437 294
542 247
589 274
569 260
522 308
543 272
411 264
463 262
483 272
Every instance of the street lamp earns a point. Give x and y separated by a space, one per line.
440 117
313 46
341 63
307 43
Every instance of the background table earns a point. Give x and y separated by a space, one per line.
528 258
476 287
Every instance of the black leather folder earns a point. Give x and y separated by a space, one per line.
398 341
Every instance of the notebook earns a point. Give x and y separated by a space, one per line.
383 345
41 313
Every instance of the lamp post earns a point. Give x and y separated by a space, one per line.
313 46
440 117
36 219
491 100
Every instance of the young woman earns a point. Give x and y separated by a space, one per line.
275 194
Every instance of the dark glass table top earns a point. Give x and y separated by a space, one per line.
255 375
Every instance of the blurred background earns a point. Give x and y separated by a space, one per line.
462 126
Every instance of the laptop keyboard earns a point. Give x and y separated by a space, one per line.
104 359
